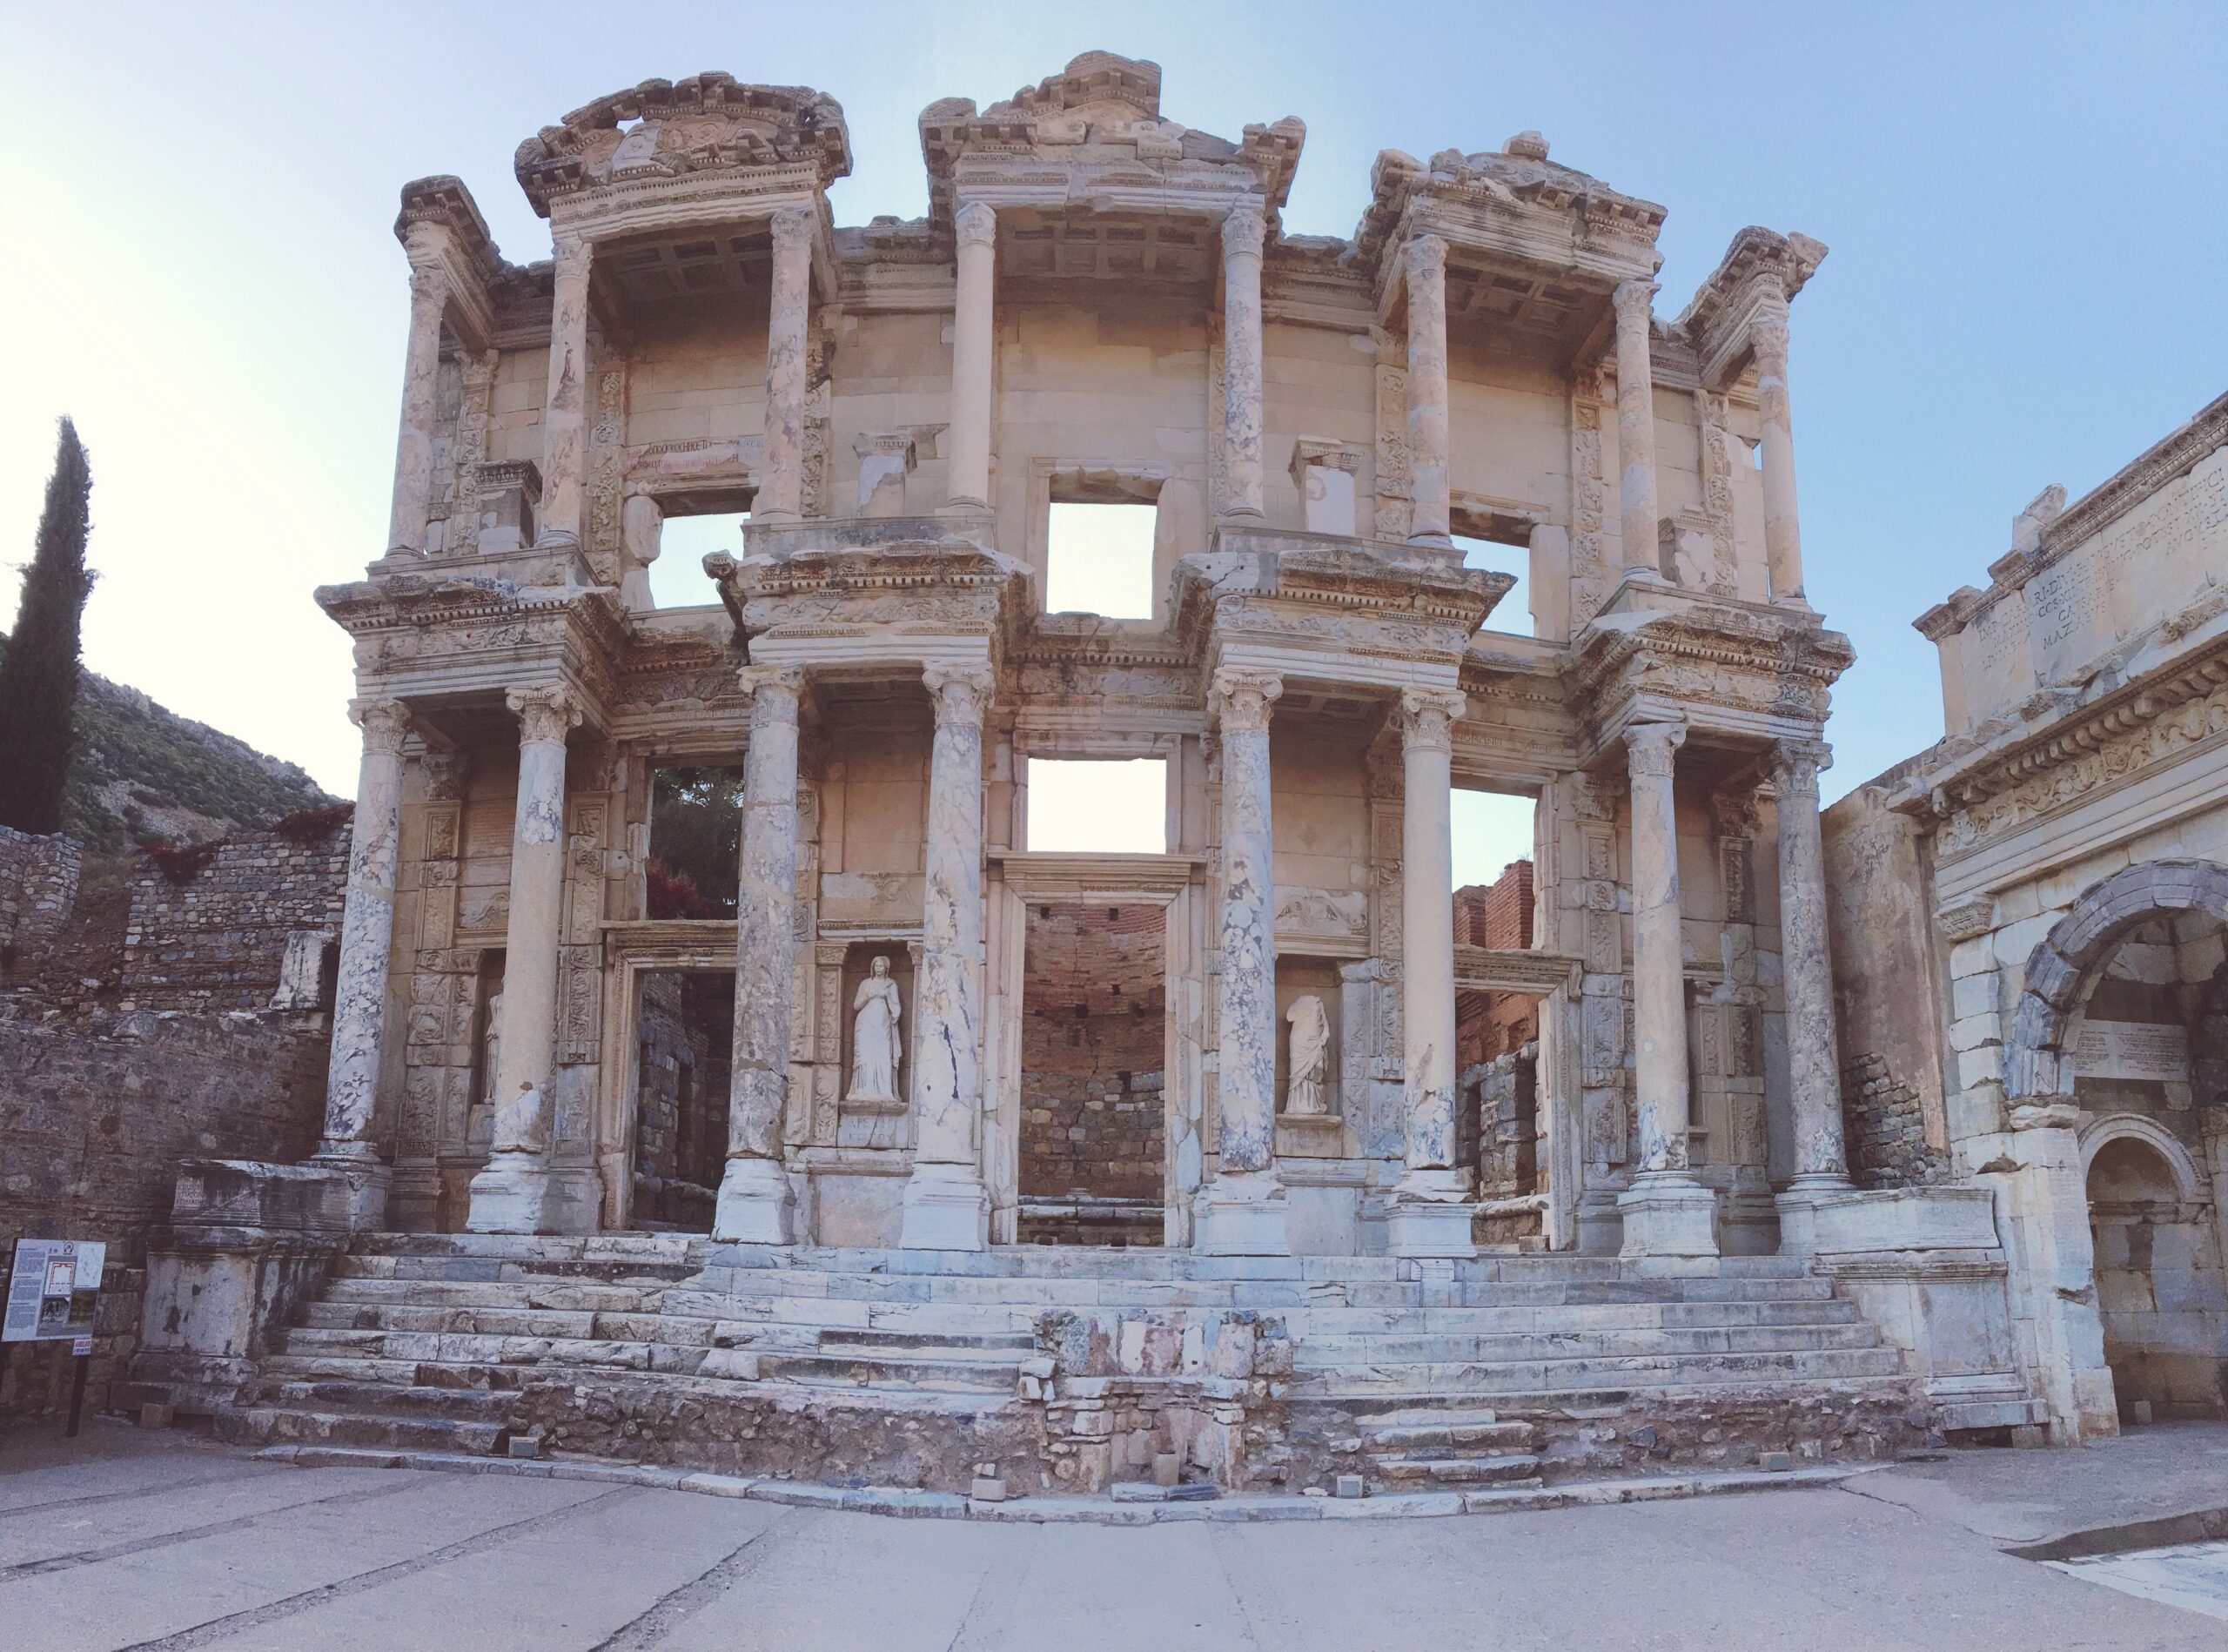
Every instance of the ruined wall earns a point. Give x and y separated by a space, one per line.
1487 1024
215 939
1092 1042
681 1078
38 888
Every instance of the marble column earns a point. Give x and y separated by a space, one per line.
1431 1214
753 1202
564 414
781 489
352 1080
1636 424
1806 976
1242 1212
1666 1212
974 339
1427 428
1782 537
1243 230
512 1194
413 447
946 1206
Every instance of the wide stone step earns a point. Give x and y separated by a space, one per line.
462 1349
1319 1353
322 1367
1448 1439
877 1342
1504 1377
380 1398
442 1320
1489 1321
284 1424
1458 1471
851 1369
560 1296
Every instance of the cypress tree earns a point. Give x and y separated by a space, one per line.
38 674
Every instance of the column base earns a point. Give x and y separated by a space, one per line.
1241 1212
365 1183
753 1205
1668 1214
1798 1211
575 1201
1430 1216
946 1209
511 1196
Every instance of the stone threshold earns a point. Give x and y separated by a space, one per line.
1247 1506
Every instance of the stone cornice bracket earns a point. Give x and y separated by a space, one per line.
386 724
774 689
1242 699
1650 748
1427 718
962 693
976 224
1968 919
545 715
1795 765
1244 229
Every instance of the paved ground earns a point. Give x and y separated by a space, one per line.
125 1539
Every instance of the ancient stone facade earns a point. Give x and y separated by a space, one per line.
2055 873
263 910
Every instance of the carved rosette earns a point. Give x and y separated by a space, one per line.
1242 700
545 715
1427 717
1650 748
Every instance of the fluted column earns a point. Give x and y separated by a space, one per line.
564 414
946 1206
427 245
366 937
1243 230
511 1195
1783 536
974 338
780 490
754 1201
1243 1212
1667 1212
1428 429
1431 1215
1636 423
1806 975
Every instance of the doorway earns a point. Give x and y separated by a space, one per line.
684 1026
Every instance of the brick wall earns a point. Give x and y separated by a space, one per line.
1091 1047
1885 1128
215 939
1491 1024
38 889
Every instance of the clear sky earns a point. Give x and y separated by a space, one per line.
2026 205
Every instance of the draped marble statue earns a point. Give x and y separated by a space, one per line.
875 1044
1310 1057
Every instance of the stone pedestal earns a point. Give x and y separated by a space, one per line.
1242 1213
1430 1215
947 1208
755 1204
511 1195
1668 1214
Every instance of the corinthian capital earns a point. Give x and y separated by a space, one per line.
1795 765
976 224
1427 718
385 723
773 691
962 693
1244 229
1242 699
1634 300
792 227
545 715
1767 328
1649 747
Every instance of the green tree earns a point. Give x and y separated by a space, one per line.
38 674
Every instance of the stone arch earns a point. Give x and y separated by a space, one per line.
2038 1068
2189 1184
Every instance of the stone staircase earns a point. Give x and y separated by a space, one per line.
1419 1376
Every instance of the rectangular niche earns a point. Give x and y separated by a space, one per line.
1304 1134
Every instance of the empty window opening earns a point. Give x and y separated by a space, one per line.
695 841
1093 1042
684 1025
1098 560
677 578
1491 830
1513 613
1099 806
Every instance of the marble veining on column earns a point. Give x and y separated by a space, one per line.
1244 230
366 933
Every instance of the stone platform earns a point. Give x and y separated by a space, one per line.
1073 1369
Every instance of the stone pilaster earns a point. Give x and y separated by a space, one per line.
753 1202
1782 537
1431 1215
780 490
974 338
1635 423
1243 230
1667 1212
564 414
1806 972
427 245
1242 1213
366 940
946 1206
511 1195
1427 427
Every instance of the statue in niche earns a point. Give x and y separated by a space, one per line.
875 1045
1310 1059
490 1048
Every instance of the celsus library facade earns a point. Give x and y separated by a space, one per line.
695 931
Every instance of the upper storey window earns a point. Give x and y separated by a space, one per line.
1501 543
677 577
1098 560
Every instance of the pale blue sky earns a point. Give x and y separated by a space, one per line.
2025 205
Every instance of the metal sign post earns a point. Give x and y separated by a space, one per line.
53 1290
